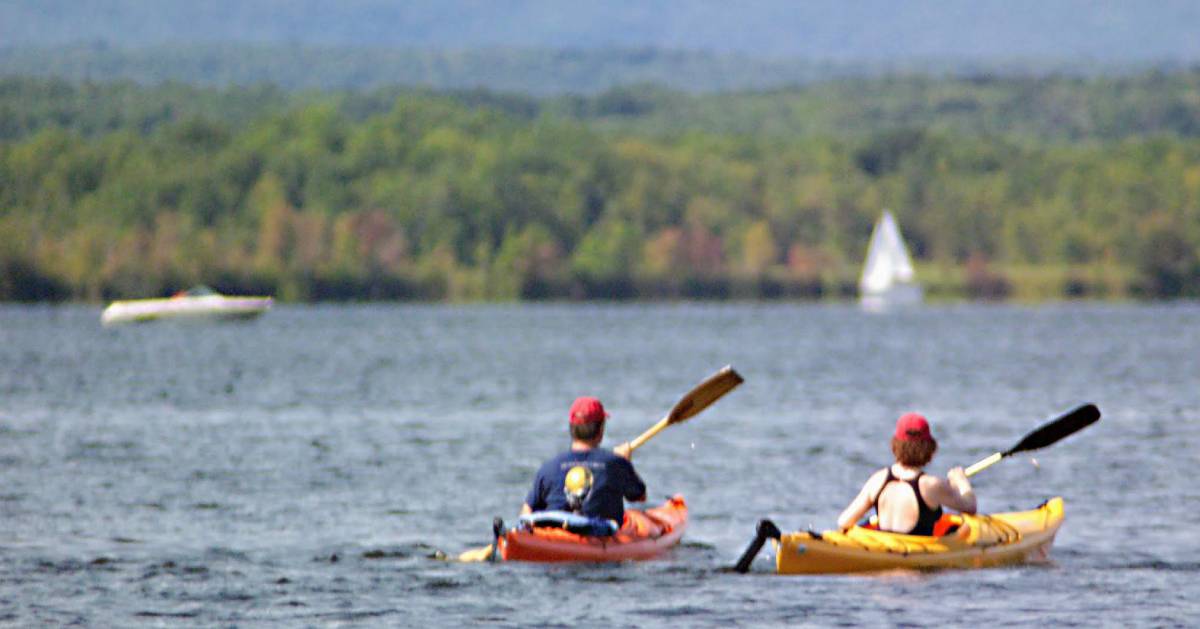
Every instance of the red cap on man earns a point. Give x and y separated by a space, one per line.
912 427
587 410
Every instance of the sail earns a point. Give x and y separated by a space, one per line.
888 263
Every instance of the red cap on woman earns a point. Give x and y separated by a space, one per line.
912 427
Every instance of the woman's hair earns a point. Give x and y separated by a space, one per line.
586 432
914 452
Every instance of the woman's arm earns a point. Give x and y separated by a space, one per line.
859 506
956 492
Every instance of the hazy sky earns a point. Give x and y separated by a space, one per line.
1104 30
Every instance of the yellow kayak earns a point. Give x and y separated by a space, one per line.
973 541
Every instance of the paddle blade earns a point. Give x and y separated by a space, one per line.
477 555
1057 429
704 394
489 552
766 530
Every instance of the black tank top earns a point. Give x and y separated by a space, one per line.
926 517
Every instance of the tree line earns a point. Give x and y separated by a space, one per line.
120 190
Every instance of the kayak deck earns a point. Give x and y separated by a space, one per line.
643 535
977 541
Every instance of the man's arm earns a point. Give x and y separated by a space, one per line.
536 496
635 488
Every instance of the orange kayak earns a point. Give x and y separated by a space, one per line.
644 535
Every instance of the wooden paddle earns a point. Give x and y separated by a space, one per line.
1063 426
699 398
491 552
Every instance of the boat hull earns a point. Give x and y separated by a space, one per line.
897 296
208 307
980 541
644 535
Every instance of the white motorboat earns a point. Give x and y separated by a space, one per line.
199 303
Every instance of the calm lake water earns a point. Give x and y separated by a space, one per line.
300 469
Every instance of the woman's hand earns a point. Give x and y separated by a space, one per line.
958 478
964 501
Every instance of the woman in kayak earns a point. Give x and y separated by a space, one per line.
587 479
906 499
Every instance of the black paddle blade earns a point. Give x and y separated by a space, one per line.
497 531
1057 429
766 529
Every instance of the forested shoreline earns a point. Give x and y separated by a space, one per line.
1004 188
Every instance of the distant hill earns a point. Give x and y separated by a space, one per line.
1092 31
1059 110
539 72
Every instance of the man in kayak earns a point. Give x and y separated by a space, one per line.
906 499
587 479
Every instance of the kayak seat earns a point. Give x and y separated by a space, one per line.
572 522
642 524
946 524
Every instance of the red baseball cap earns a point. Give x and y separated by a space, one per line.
912 427
586 410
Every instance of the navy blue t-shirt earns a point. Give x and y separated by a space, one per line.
613 482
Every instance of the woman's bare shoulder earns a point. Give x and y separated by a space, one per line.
876 480
931 481
934 488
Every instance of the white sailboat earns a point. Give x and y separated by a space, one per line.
888 278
